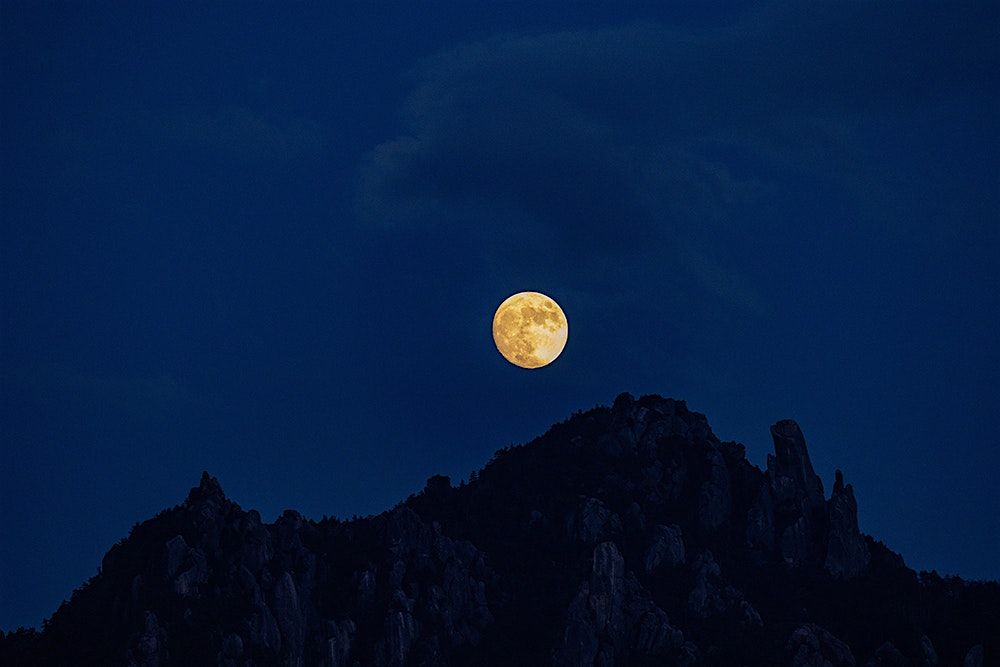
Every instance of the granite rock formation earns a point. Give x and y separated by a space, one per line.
628 535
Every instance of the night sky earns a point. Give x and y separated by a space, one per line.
267 241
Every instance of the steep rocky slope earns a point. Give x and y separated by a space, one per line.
626 535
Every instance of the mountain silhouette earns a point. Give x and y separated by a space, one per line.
626 535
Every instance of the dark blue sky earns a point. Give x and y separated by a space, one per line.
267 241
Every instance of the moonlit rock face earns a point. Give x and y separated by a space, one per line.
530 329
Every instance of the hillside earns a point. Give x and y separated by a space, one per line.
625 535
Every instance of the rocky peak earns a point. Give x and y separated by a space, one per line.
838 483
847 553
791 471
571 549
799 504
208 489
652 408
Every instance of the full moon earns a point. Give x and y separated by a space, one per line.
530 329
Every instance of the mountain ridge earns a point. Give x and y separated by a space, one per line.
627 534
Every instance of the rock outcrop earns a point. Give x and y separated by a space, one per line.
974 658
592 521
928 656
887 655
813 646
798 494
612 620
847 554
666 548
628 535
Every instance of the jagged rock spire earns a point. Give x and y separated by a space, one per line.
798 492
208 488
625 506
847 554
791 471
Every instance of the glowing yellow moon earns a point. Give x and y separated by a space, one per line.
530 329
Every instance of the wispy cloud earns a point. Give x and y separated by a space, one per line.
600 147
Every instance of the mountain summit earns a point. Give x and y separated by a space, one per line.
628 535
